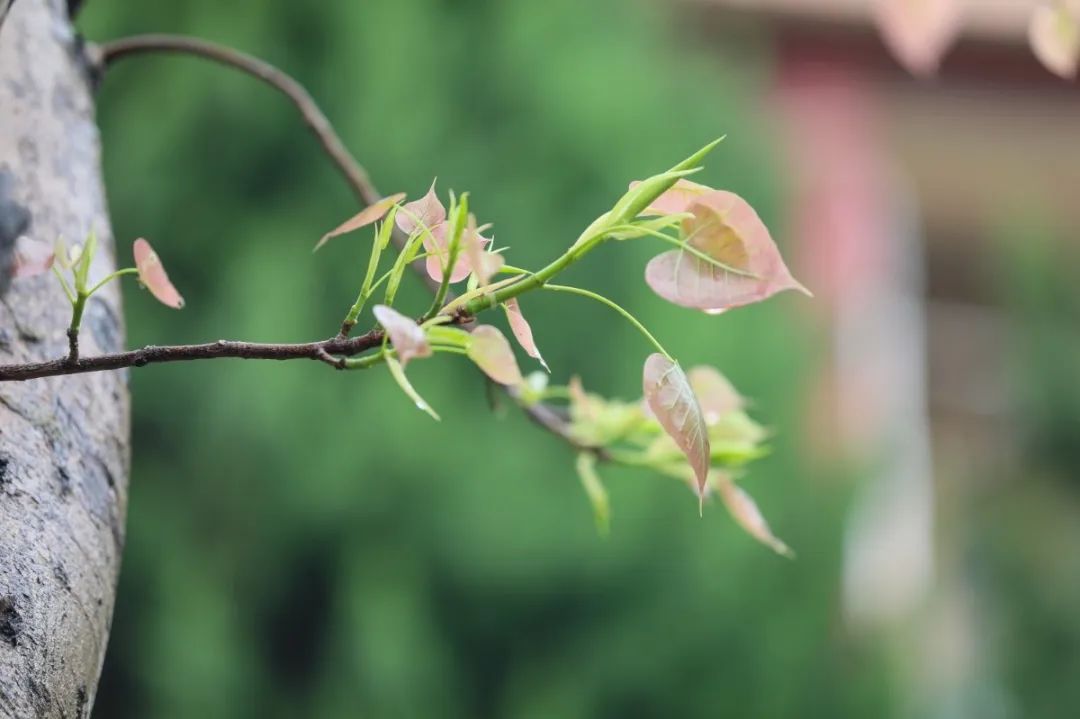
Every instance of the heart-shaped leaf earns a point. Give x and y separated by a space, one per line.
714 393
153 276
522 330
672 401
32 257
406 336
725 228
918 32
1054 34
491 352
744 510
423 214
372 213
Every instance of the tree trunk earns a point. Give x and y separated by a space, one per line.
63 441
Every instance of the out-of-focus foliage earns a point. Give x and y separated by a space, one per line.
290 551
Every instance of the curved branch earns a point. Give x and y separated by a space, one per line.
112 52
109 53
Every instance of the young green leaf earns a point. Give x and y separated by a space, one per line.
372 213
32 257
672 401
491 352
918 32
676 199
714 392
522 331
744 510
405 335
725 228
398 373
1054 35
152 275
594 489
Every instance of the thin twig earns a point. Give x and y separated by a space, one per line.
323 351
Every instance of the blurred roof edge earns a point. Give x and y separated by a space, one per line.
998 21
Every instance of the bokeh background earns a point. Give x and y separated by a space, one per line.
303 543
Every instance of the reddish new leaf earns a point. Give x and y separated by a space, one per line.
745 511
425 213
406 336
1054 34
32 257
918 32
714 393
727 229
371 213
479 261
153 276
491 352
672 401
522 331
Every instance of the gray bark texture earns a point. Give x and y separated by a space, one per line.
64 451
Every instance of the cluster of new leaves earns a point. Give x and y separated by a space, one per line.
920 32
71 265
692 426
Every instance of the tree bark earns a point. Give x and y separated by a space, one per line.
63 440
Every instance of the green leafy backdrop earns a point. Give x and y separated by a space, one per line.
304 542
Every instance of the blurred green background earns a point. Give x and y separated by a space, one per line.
305 543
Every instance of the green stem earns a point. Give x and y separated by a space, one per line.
605 301
375 359
110 278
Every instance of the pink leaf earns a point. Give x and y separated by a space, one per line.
745 511
425 213
714 392
372 213
406 336
491 352
681 195
672 401
725 228
153 276
1054 35
918 32
479 261
32 257
522 331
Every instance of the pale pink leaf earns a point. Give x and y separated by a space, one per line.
406 336
1054 34
491 352
727 229
677 199
745 511
483 264
918 32
32 257
522 331
668 394
153 276
372 213
714 392
425 213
